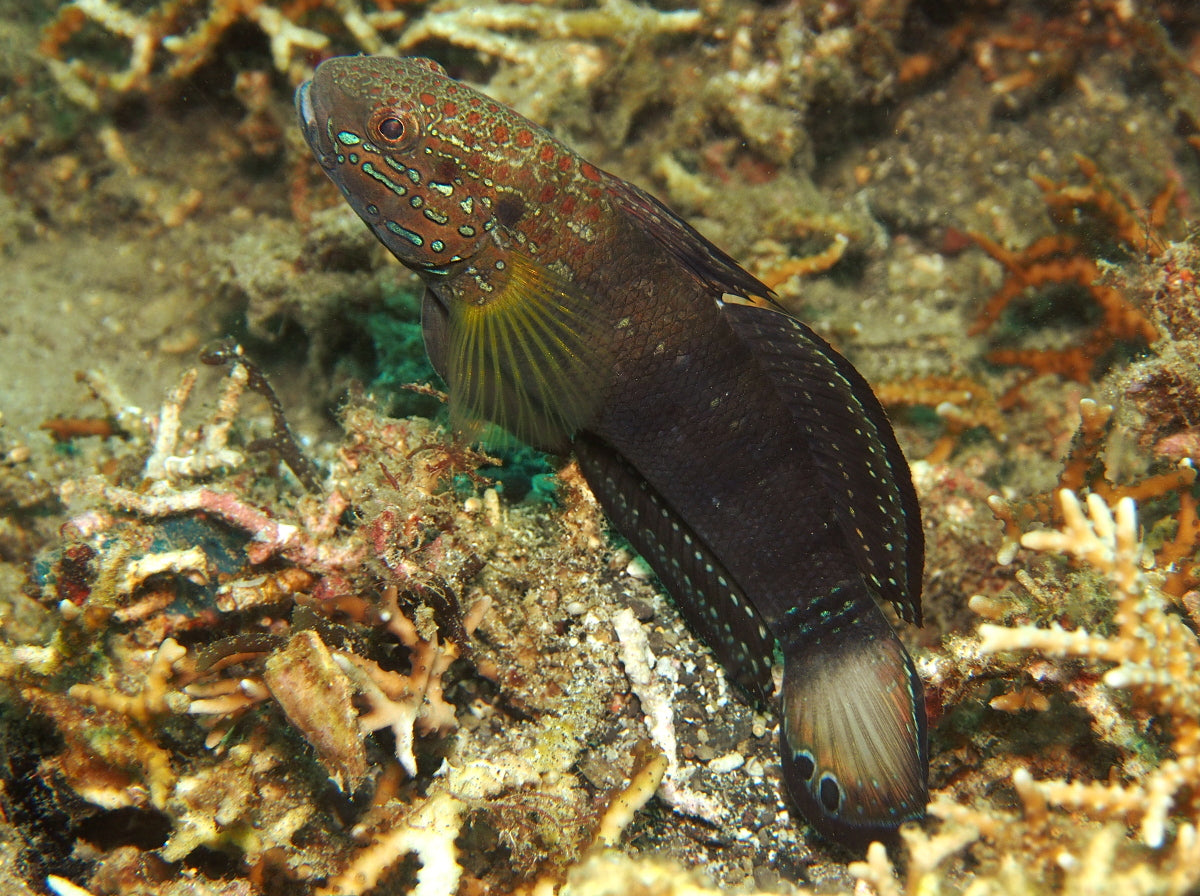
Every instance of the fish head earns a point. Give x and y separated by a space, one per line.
374 124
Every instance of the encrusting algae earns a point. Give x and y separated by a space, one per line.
339 653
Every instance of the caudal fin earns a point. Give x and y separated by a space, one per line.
855 759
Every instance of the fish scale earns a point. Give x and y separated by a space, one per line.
744 458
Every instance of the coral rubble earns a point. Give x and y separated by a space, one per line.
220 667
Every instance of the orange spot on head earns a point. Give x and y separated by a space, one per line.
565 162
473 118
568 206
590 171
500 133
428 99
548 193
449 108
546 154
524 138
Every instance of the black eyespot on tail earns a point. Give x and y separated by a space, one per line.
830 793
805 766
855 760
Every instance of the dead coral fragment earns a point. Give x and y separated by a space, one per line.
192 455
315 694
485 28
174 38
960 402
784 270
1155 657
154 700
272 537
427 831
105 762
282 441
413 703
626 804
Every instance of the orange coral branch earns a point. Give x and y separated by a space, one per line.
1060 259
961 403
809 264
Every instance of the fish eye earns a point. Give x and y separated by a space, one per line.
392 128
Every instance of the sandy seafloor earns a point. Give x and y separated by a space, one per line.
141 221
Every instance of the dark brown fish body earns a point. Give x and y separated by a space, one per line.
745 459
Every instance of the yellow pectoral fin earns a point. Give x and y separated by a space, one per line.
529 355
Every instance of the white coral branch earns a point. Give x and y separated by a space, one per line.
1156 656
428 833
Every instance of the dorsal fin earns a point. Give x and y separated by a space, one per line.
853 446
697 254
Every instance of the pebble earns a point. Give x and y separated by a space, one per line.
727 763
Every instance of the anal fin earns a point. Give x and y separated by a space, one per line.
711 602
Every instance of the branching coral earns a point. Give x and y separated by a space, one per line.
485 28
1057 261
1084 469
173 39
1155 657
211 662
130 562
164 32
1110 718
1099 865
428 832
1111 210
1063 262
